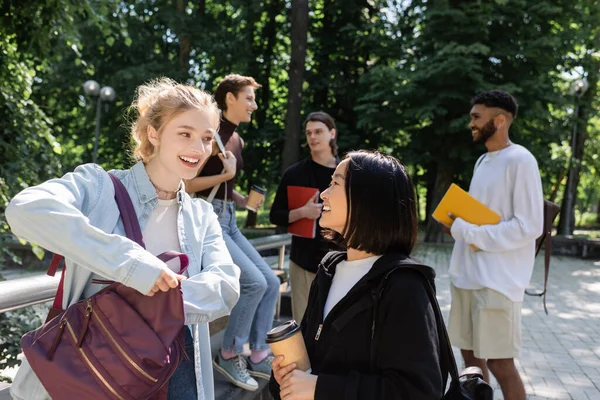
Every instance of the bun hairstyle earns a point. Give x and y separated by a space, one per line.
159 101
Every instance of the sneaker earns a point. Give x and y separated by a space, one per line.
261 369
236 370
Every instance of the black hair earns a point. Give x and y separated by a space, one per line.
381 208
497 99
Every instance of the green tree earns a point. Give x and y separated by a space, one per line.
299 28
493 44
586 60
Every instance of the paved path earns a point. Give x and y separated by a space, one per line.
561 351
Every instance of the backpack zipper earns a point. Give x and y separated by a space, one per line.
91 366
318 332
123 353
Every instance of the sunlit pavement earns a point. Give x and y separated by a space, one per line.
561 351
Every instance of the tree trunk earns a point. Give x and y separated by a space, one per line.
429 178
559 179
598 212
291 148
254 69
185 43
251 219
443 179
269 35
416 183
566 225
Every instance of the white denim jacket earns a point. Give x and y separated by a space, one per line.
76 216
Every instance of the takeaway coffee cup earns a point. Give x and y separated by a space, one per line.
256 196
287 340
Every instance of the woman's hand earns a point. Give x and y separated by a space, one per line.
298 385
166 280
229 164
278 371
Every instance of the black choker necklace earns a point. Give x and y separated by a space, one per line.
169 194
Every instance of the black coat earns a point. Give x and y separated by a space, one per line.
380 341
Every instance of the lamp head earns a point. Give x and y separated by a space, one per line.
107 94
91 88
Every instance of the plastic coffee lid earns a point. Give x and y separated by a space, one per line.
282 332
258 189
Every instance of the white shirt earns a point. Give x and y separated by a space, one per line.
347 274
507 181
160 233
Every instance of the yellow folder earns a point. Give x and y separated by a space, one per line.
462 205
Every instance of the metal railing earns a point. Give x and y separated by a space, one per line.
25 292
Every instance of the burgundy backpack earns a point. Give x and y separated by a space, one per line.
117 344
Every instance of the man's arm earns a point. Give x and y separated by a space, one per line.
279 214
526 224
201 183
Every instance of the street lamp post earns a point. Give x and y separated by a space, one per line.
107 95
579 89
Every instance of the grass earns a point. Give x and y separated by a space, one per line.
586 221
586 234
262 222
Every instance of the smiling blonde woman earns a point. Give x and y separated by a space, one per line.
77 216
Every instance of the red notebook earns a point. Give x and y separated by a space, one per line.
297 197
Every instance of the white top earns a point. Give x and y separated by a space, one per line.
507 181
160 233
347 274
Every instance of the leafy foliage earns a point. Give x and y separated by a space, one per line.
13 325
396 75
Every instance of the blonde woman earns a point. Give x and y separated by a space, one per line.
76 216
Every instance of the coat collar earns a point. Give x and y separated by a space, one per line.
383 265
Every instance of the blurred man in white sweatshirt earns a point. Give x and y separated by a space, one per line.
488 284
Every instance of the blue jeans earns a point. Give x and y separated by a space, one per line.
252 316
182 384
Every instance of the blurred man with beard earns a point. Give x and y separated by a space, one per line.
488 284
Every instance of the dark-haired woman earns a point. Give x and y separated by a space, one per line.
369 333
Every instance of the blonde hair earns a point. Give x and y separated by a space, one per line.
159 101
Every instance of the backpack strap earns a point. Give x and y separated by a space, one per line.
331 258
132 230
54 264
478 163
127 211
551 210
446 355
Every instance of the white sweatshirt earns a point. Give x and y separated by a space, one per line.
507 181
347 274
